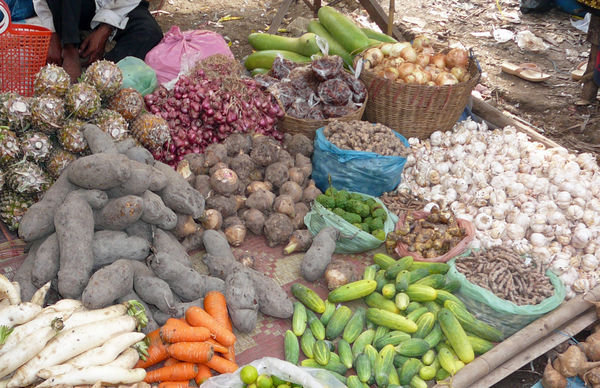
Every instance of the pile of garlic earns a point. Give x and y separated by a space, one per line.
543 202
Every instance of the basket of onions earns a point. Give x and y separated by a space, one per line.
414 89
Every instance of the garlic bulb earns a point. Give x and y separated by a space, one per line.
581 236
522 247
574 212
497 229
523 220
589 217
515 231
538 240
589 262
563 199
560 263
483 221
569 276
538 222
436 138
556 218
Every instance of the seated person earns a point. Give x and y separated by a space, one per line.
127 22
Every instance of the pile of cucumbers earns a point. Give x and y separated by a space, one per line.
343 37
412 330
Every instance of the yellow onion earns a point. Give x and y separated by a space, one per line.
395 61
390 73
457 57
397 48
446 79
433 71
409 54
406 69
438 60
373 56
423 59
386 48
431 83
400 81
410 79
458 72
421 77
428 51
465 77
421 42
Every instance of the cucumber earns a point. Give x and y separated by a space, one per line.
364 339
355 325
329 310
304 45
380 332
345 353
308 297
409 369
299 319
391 320
434 280
338 322
380 279
401 265
381 37
307 343
435 336
354 382
321 352
343 30
456 335
402 280
479 345
392 338
352 291
402 300
389 291
377 300
428 358
441 268
264 59
384 261
414 347
370 272
334 47
362 365
258 71
316 327
334 366
291 348
416 314
383 364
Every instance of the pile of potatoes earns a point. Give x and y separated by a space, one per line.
251 184
103 234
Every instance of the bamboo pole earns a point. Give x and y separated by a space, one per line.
521 340
392 10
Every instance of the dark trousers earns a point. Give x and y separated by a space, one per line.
140 35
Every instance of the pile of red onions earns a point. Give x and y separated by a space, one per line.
205 107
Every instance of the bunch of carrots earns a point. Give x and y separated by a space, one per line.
192 347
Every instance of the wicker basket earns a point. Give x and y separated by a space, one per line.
308 128
417 110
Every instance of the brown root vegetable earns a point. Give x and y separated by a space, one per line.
338 273
255 186
233 220
237 144
261 200
302 161
299 242
119 213
242 301
573 362
196 163
167 243
155 291
214 154
278 229
23 273
286 158
284 204
301 211
243 165
185 226
296 175
100 171
107 285
224 181
139 180
317 258
592 377
265 150
247 260
178 195
240 202
590 347
74 224
299 144
552 378
183 169
225 205
216 245
254 220
111 245
96 198
277 174
140 229
140 154
217 166
98 141
310 193
292 189
193 241
235 234
258 174
156 213
202 184
46 264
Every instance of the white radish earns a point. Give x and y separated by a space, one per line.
4 302
40 295
17 287
108 351
127 359
17 314
21 333
4 383
9 362
93 374
70 343
55 370
89 316
65 305
8 290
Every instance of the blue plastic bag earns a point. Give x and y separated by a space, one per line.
20 9
362 172
572 382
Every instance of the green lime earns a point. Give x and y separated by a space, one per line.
283 386
248 374
277 381
264 381
251 385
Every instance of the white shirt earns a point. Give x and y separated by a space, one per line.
111 12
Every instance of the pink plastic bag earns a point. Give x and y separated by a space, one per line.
177 48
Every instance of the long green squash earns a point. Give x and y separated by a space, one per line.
264 59
381 37
343 30
334 47
304 45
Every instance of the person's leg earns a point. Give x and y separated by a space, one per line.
140 35
590 89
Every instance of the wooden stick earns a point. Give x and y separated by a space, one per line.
390 27
522 340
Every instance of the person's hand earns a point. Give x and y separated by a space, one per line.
55 50
94 45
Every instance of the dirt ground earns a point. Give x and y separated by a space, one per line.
547 106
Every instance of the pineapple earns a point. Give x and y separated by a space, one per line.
150 130
51 79
59 160
4 97
112 123
82 100
105 76
2 179
128 102
13 206
35 146
47 113
71 138
18 112
9 146
27 178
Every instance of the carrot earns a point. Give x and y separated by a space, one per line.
197 352
230 355
157 351
217 346
196 316
216 305
174 384
171 361
222 365
204 374
175 330
178 372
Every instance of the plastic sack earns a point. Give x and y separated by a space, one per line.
352 239
307 377
138 75
20 9
572 382
362 172
166 58
500 313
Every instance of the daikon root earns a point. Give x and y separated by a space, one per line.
127 359
108 351
9 291
93 374
65 305
17 314
85 317
40 295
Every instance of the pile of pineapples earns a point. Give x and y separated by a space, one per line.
41 135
